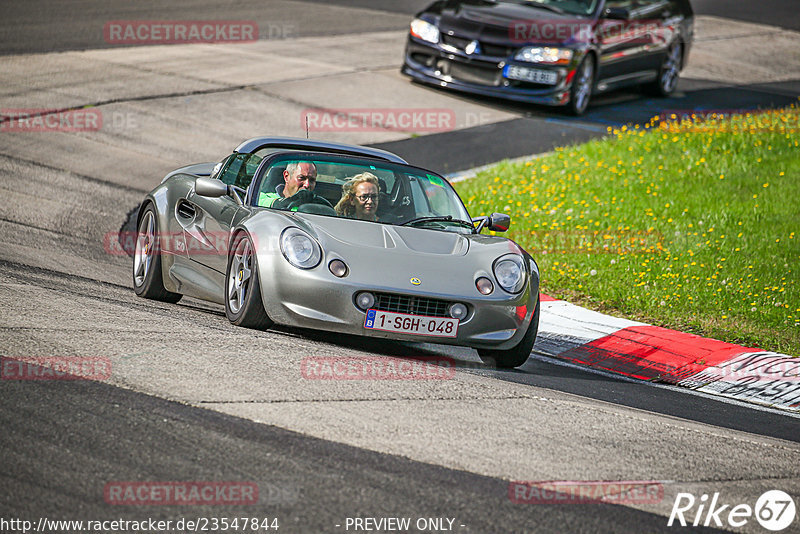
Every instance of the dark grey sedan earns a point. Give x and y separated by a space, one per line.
552 52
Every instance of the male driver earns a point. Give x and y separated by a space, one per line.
300 178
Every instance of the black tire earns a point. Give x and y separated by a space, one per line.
148 280
580 93
515 356
243 305
669 72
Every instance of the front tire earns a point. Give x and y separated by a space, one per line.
515 356
582 86
243 305
148 281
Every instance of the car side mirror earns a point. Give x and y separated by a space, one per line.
209 187
499 222
496 222
617 13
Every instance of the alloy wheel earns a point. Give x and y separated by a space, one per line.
145 249
671 69
583 85
239 276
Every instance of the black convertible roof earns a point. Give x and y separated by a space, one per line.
296 143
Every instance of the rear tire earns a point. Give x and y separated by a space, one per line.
515 356
669 72
243 305
148 281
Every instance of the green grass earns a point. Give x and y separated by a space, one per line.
691 226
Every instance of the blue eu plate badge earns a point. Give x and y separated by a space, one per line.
370 318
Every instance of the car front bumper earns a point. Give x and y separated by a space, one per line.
317 299
482 75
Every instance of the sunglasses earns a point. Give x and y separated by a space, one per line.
363 198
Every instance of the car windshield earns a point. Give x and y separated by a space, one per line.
368 190
573 7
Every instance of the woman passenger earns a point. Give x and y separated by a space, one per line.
360 197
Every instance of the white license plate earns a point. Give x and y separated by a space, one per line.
404 323
547 77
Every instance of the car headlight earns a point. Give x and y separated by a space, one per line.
544 54
424 30
300 249
510 273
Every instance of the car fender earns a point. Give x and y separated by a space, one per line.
164 199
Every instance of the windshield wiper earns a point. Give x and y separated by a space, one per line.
440 218
548 7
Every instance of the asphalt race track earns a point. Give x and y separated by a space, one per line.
192 398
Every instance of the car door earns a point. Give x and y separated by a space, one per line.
206 225
626 38
665 20
207 221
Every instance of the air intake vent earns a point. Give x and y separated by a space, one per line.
411 305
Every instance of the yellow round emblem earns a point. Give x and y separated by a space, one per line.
416 281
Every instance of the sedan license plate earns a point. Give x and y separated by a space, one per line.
404 323
546 77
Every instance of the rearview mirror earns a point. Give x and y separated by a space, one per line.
208 187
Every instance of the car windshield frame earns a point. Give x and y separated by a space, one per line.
408 195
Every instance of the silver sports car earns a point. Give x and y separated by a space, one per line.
340 238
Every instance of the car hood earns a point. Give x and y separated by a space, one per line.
383 236
493 21
437 244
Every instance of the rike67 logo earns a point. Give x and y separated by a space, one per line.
774 510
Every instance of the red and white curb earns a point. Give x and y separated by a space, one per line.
645 352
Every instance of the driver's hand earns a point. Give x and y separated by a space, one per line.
301 197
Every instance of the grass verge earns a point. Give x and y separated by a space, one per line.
692 225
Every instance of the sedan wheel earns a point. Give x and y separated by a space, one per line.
670 71
243 305
147 275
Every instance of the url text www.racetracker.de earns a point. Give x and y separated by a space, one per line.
217 524
173 526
